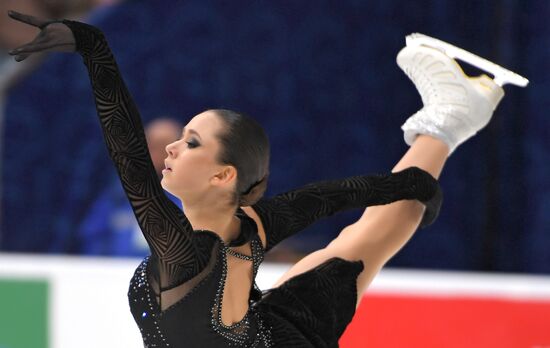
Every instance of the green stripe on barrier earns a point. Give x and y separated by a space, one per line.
23 313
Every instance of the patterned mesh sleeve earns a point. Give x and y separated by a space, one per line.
288 213
166 229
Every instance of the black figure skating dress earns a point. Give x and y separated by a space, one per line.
190 267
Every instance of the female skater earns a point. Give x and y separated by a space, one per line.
197 288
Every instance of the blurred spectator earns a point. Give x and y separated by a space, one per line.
111 227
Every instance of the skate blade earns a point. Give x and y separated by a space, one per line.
501 75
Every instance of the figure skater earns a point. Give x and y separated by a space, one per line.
197 287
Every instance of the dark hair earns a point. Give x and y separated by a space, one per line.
244 145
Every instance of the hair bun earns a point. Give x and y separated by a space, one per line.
254 193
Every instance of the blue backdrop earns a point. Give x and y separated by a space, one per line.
321 77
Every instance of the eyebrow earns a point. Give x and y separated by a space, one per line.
192 131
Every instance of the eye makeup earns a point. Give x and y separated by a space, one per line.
192 144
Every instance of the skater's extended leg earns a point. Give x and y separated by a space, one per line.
383 230
388 227
455 108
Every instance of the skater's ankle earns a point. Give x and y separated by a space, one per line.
433 142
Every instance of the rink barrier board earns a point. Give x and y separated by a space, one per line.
401 308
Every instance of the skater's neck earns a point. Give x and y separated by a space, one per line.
216 217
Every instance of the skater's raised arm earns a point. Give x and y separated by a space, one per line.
288 213
165 227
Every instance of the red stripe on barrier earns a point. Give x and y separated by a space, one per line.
450 322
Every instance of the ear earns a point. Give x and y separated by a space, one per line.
226 175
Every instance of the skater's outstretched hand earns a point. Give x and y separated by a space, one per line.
53 36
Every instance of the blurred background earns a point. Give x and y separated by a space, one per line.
320 76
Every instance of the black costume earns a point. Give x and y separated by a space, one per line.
190 267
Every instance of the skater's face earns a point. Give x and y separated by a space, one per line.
193 160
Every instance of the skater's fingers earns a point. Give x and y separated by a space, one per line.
43 47
30 48
22 57
28 19
22 49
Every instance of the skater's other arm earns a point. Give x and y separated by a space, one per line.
166 229
288 213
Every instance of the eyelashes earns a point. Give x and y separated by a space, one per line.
191 144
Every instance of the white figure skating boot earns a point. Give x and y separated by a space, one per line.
456 106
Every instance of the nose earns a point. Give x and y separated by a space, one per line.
170 149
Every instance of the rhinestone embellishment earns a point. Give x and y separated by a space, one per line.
148 323
237 254
237 333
